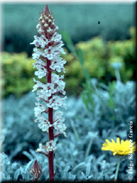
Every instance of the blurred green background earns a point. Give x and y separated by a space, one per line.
101 33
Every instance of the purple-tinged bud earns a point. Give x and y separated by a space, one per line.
36 170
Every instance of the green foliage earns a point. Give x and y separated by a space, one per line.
17 73
124 52
91 56
95 57
69 42
110 91
85 60
85 135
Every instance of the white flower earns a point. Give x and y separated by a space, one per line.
39 109
50 52
58 122
51 145
58 47
48 89
42 149
58 64
39 63
37 85
49 29
38 26
35 56
61 77
36 43
56 37
38 51
57 116
57 133
55 78
56 102
44 126
44 123
59 126
41 119
40 41
58 80
63 92
41 95
62 51
40 31
41 72
61 86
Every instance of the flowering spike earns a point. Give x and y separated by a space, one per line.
47 53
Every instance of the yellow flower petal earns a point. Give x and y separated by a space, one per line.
119 148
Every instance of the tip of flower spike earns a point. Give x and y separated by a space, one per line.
46 10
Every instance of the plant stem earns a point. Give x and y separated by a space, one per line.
117 75
74 129
116 174
88 148
51 165
51 134
51 153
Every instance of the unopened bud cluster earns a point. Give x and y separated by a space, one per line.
48 61
36 170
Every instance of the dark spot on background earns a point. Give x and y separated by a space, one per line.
98 22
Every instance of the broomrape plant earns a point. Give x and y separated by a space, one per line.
48 61
83 158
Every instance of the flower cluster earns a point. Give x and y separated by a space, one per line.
47 51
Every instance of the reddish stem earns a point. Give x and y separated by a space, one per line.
51 134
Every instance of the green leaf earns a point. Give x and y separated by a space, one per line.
80 56
111 103
85 101
111 86
81 60
68 42
112 117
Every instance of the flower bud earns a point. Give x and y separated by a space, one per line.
36 170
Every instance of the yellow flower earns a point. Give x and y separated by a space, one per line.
124 148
